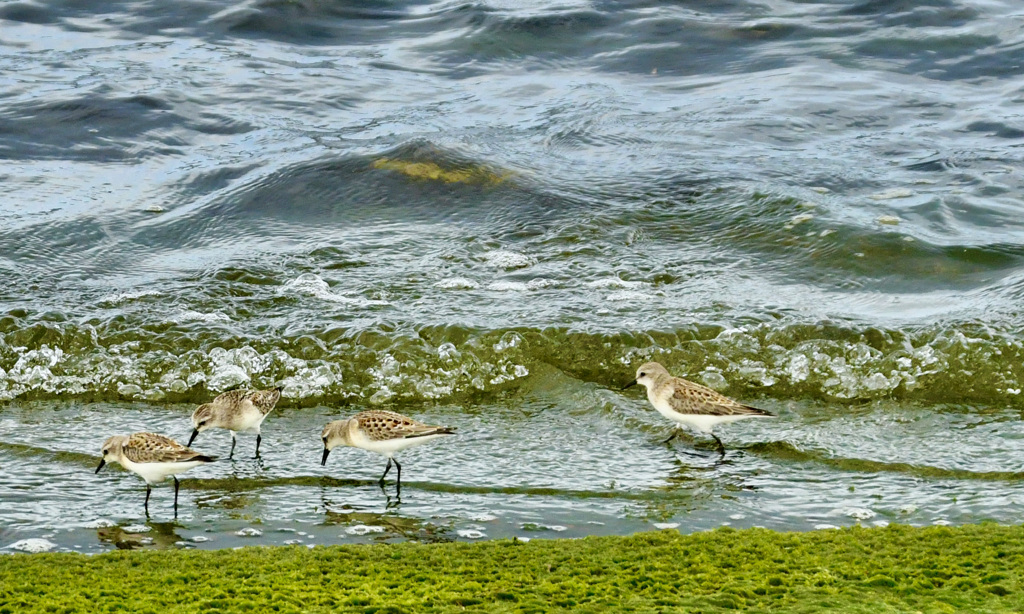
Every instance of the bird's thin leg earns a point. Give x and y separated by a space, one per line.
233 442
398 484
386 469
721 446
259 438
675 432
146 504
176 485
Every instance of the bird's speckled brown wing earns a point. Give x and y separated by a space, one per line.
263 400
690 398
153 448
380 425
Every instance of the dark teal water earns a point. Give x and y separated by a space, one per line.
487 215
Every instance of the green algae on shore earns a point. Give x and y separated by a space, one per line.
893 569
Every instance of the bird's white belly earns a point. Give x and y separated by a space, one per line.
248 422
700 422
388 447
154 473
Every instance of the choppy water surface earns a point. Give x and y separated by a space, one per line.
487 215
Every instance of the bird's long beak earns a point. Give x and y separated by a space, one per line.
103 461
195 432
632 383
323 461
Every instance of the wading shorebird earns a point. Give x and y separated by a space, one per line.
690 404
239 411
153 458
383 432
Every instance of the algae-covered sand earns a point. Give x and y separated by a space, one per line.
892 569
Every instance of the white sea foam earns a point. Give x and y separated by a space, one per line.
364 529
99 523
312 285
507 286
858 513
504 259
457 283
189 315
629 296
33 544
124 297
615 282
520 286
249 532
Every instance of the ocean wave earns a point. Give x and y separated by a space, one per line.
969 363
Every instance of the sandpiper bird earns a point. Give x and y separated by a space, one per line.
383 432
689 404
152 457
238 411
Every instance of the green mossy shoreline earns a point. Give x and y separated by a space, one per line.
975 568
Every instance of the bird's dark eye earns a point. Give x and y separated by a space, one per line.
643 374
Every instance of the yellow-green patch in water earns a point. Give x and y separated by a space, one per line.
435 172
976 568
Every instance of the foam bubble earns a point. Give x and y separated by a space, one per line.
858 513
124 297
509 340
447 352
471 533
33 544
507 286
99 523
364 529
137 528
197 316
504 259
628 296
615 282
457 283
518 286
313 285
249 532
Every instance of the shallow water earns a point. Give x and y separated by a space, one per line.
487 215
